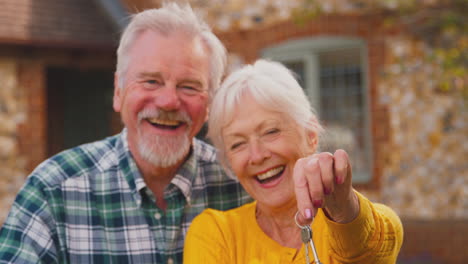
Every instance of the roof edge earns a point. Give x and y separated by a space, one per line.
56 44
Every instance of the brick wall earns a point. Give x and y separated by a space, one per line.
32 134
434 242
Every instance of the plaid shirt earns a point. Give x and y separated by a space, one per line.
90 204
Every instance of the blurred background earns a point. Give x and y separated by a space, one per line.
388 79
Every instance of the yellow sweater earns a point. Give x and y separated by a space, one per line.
234 236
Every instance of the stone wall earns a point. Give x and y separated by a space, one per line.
12 114
426 170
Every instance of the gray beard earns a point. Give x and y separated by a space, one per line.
164 151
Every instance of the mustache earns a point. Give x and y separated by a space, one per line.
180 116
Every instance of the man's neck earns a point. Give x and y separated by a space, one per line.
157 178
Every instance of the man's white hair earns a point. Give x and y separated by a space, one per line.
169 19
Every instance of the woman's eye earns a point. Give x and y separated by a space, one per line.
272 131
236 145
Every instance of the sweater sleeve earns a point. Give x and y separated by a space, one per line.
205 241
375 236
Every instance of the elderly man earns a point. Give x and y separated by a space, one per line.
130 198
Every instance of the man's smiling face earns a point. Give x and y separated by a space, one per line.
164 100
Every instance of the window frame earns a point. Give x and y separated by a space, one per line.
307 50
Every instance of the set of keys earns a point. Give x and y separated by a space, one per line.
306 236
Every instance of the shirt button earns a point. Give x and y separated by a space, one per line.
157 216
170 261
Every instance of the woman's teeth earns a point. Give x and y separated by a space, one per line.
270 173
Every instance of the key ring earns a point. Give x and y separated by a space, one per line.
295 220
298 225
306 235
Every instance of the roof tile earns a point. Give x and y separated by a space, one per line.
52 22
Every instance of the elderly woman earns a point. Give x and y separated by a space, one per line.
267 136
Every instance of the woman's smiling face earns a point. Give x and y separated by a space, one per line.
262 147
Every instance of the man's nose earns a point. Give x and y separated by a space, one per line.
258 152
167 98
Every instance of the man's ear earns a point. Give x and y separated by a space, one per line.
207 113
117 100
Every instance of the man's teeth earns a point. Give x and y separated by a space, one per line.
270 173
163 122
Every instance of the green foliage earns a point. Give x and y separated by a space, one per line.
441 24
309 10
443 27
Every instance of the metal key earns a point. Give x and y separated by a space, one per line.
306 237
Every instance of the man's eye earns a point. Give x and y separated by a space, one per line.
151 84
190 90
152 81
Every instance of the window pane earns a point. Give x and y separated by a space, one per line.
298 68
79 106
342 106
332 72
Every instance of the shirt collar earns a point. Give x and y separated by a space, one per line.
128 168
182 181
187 173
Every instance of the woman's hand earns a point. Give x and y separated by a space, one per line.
323 180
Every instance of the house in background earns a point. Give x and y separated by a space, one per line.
56 70
369 80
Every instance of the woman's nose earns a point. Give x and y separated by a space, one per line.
258 152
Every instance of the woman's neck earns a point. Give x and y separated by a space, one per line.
278 224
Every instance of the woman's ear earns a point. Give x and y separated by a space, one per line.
312 134
312 140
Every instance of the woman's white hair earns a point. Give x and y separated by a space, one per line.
273 86
170 18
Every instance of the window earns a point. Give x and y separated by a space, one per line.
79 106
333 72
